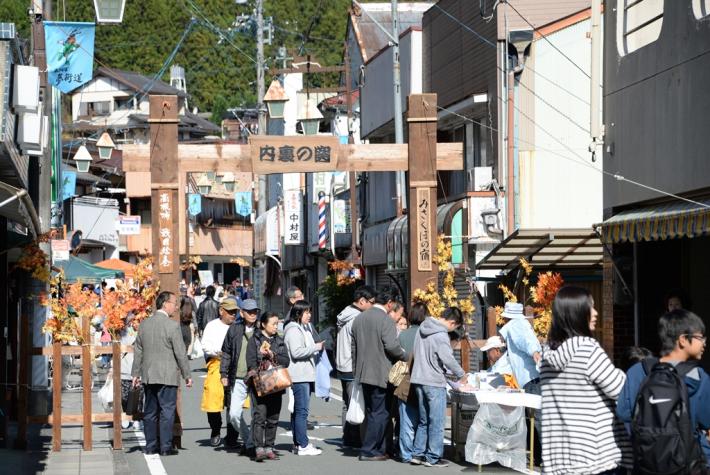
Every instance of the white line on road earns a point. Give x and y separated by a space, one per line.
155 465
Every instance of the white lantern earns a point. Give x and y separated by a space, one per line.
105 146
109 11
310 118
83 159
204 185
275 99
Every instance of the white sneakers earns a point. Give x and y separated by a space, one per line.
309 450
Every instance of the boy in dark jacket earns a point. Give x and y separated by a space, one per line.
682 335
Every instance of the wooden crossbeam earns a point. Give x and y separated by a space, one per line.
77 350
222 158
77 419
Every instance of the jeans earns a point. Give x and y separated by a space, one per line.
265 419
409 445
160 402
533 387
238 395
377 417
432 417
299 418
351 433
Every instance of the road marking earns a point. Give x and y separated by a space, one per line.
155 465
335 396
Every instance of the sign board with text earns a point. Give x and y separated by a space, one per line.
60 250
165 229
294 154
129 225
424 244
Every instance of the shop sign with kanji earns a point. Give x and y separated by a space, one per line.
165 237
424 243
293 207
297 154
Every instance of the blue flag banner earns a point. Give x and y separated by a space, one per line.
68 185
70 53
242 202
194 204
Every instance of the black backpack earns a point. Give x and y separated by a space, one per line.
663 438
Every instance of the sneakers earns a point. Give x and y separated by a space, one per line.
441 463
125 424
416 461
260 455
309 450
271 455
215 441
137 425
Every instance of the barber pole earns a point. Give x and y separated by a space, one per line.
321 221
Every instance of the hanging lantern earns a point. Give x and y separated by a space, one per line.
275 99
228 181
83 159
204 185
310 118
109 11
105 146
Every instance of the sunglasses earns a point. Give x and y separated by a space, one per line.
232 312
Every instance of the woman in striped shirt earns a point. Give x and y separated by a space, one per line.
580 385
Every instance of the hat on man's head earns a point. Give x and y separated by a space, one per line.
493 342
249 305
514 310
229 304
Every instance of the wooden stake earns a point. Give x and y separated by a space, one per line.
23 389
57 396
422 190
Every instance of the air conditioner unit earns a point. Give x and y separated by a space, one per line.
25 95
29 130
44 139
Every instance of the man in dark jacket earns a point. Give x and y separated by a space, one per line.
208 310
374 348
233 371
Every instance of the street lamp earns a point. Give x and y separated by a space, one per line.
275 99
105 146
83 159
204 185
228 181
310 118
109 11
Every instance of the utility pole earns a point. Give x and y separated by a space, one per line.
396 84
261 90
595 81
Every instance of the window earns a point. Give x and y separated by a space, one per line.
638 23
141 207
95 109
701 8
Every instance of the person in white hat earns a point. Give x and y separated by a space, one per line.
524 350
497 356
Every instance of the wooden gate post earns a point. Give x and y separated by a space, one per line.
86 382
57 396
422 117
117 408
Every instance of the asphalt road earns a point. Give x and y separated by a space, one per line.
199 458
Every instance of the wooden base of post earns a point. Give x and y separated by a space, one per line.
117 406
23 392
57 396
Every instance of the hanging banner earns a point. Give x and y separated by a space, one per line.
341 216
194 203
68 187
60 250
70 53
293 212
242 202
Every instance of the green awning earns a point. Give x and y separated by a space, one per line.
659 222
76 269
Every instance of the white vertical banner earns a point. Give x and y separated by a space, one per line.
292 209
321 182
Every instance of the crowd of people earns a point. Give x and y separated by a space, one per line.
595 418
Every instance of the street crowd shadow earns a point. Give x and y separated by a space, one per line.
345 451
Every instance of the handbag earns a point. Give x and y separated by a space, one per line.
401 392
106 392
134 398
270 379
356 409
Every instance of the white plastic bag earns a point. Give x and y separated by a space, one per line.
497 434
197 350
356 408
290 400
106 392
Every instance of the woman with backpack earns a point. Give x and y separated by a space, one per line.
580 431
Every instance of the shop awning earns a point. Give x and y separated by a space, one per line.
117 264
656 223
546 248
76 269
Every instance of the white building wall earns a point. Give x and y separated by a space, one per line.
559 187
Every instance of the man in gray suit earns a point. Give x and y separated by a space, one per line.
159 357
